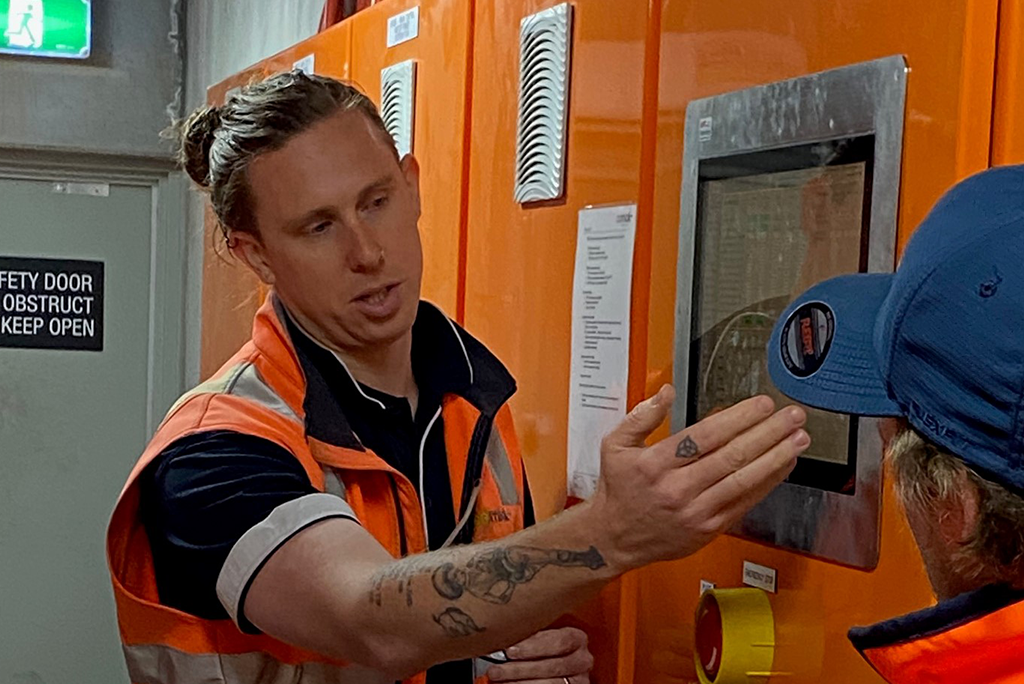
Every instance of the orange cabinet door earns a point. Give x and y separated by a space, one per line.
711 48
520 258
441 52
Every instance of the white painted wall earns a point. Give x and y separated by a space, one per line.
115 102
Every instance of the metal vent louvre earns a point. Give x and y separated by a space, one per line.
545 43
398 103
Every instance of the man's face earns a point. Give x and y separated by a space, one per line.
336 216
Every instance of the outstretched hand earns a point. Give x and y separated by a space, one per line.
669 499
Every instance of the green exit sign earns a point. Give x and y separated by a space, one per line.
46 28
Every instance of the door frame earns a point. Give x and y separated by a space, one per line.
166 372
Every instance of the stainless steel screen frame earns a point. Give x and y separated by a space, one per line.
861 99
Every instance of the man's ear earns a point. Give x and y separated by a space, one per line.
411 171
959 516
249 248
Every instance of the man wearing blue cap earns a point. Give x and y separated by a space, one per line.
937 349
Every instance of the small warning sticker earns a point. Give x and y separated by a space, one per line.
705 128
403 27
759 576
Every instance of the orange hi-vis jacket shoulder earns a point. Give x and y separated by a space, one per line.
975 638
268 390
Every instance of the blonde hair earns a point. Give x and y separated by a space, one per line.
927 478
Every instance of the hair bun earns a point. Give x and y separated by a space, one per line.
196 136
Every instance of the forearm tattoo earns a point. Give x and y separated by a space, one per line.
687 448
457 623
401 574
494 575
491 575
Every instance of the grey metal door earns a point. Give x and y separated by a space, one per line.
71 425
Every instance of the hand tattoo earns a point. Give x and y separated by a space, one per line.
687 448
456 623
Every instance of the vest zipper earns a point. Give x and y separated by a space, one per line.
474 471
403 543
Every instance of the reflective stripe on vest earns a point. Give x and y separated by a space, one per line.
155 664
501 469
242 380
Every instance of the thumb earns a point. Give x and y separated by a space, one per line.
641 421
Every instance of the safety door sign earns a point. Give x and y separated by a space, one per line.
51 304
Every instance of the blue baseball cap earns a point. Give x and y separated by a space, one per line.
940 341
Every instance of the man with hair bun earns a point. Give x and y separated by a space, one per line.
937 350
345 500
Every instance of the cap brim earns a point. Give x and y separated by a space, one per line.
849 378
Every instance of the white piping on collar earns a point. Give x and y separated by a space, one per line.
336 356
359 387
455 331
423 502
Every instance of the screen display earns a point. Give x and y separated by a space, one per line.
770 225
46 28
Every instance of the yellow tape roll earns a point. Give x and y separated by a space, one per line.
735 636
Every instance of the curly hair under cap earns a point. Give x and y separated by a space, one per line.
927 477
217 144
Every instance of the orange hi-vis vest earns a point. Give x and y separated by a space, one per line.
262 391
975 638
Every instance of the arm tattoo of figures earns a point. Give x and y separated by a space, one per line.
457 623
687 448
402 575
491 575
494 574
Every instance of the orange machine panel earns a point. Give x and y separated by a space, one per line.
520 258
441 53
231 292
710 48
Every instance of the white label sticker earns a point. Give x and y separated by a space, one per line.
705 128
705 585
403 27
306 64
759 576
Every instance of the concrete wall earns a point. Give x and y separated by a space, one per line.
115 102
224 37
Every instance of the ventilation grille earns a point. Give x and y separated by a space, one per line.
545 41
398 103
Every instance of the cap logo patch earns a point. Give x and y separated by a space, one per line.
807 338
